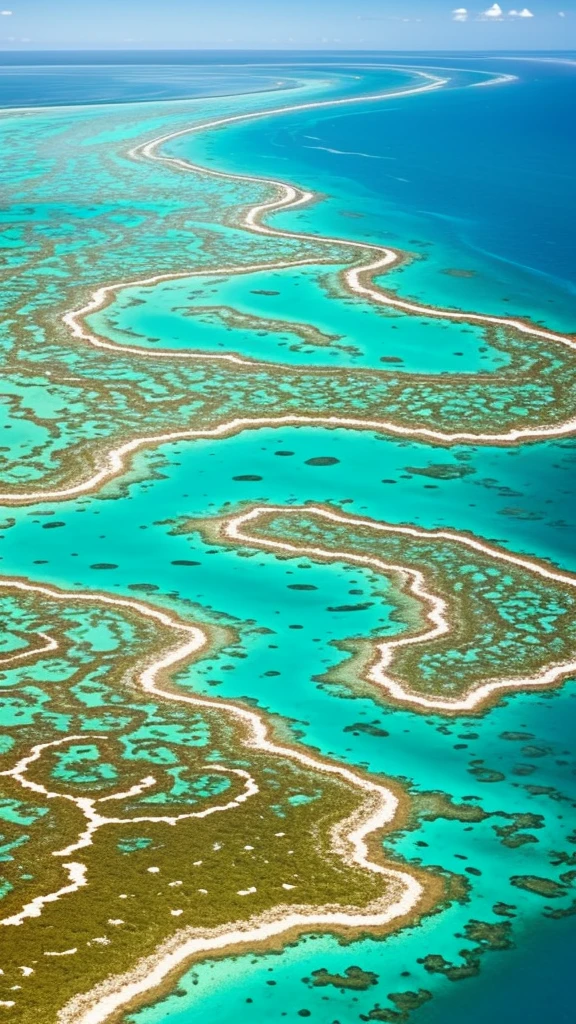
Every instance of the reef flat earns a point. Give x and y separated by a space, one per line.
135 795
488 613
170 321
94 401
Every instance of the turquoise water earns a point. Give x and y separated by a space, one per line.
513 761
263 316
422 175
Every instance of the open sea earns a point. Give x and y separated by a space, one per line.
476 183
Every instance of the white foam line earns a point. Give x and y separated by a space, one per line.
538 60
398 67
353 279
96 820
74 319
437 613
288 197
115 460
108 998
499 80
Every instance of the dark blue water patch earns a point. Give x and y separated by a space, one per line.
521 497
49 84
531 984
482 174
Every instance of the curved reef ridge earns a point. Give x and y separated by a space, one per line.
90 786
476 624
232 780
537 387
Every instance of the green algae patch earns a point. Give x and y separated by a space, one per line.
405 1004
147 817
432 805
545 887
354 978
442 471
515 834
487 937
500 620
504 910
458 272
558 913
368 728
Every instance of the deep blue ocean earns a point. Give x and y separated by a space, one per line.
485 174
480 182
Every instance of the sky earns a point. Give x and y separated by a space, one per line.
293 25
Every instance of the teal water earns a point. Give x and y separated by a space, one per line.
425 752
263 316
513 761
423 175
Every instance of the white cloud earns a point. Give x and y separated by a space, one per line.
5 14
494 13
561 14
460 14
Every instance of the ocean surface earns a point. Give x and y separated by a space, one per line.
476 183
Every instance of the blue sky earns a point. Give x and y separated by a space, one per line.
295 24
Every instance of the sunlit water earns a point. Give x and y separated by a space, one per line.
477 182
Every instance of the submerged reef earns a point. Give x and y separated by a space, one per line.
353 978
133 815
143 824
477 621
77 396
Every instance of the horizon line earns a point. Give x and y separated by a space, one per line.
266 49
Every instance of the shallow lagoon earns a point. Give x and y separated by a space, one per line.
515 759
431 755
271 317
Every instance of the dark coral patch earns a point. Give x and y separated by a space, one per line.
546 887
350 607
353 978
